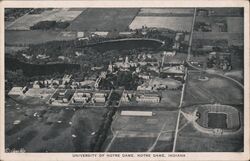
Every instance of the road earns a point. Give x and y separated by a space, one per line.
187 60
184 85
191 37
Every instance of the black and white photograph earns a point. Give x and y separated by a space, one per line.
124 79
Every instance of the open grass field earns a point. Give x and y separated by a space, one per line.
28 20
171 98
173 23
128 144
36 37
216 89
53 130
146 124
140 144
104 19
35 96
237 75
156 132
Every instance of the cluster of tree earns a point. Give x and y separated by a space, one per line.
14 78
115 96
47 25
52 49
122 79
101 134
35 69
172 76
202 26
19 78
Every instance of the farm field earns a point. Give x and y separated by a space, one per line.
232 28
232 38
234 33
36 37
53 130
216 89
225 12
166 12
173 23
28 20
104 19
229 21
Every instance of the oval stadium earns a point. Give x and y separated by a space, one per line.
218 119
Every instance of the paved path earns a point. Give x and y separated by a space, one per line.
111 142
156 140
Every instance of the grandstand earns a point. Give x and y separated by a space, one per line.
218 116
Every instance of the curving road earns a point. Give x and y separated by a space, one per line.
229 78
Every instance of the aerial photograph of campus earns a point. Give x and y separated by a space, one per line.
124 79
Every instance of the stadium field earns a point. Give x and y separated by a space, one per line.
217 120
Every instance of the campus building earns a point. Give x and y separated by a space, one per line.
153 98
99 97
81 97
61 97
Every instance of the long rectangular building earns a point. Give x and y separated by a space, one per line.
136 113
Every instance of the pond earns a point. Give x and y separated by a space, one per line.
126 44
